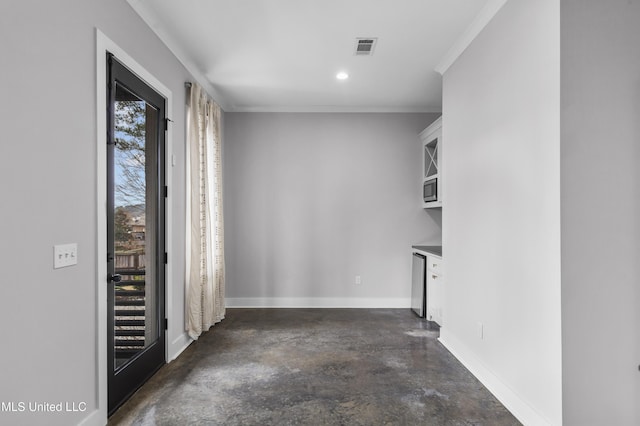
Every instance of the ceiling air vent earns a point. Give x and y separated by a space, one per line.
365 46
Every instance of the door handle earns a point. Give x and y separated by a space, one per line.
115 278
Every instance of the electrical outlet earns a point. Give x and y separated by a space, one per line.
65 255
358 280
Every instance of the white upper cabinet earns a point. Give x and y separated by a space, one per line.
431 172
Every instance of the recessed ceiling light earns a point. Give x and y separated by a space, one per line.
342 75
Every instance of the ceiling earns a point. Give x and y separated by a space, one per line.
283 55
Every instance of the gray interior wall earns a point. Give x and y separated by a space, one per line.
312 200
501 224
48 185
600 211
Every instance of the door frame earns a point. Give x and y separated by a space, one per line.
104 45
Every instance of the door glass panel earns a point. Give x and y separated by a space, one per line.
135 210
431 158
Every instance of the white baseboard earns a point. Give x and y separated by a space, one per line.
95 418
526 414
317 302
178 345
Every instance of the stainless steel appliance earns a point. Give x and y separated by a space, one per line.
430 190
418 285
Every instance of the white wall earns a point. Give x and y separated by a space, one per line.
48 185
600 160
312 200
501 231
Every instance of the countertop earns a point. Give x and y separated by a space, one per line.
436 250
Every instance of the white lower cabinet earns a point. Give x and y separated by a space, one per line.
435 289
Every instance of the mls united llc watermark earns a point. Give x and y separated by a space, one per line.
42 407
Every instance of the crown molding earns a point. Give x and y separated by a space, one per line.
148 17
333 109
485 15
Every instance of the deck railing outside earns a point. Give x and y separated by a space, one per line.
129 311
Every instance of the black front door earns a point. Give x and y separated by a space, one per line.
135 232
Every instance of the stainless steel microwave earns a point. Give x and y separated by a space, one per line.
430 190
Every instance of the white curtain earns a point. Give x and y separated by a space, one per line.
205 237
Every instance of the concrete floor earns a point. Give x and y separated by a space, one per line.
315 367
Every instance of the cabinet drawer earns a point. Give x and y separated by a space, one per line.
434 264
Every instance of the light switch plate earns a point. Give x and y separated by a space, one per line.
65 255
